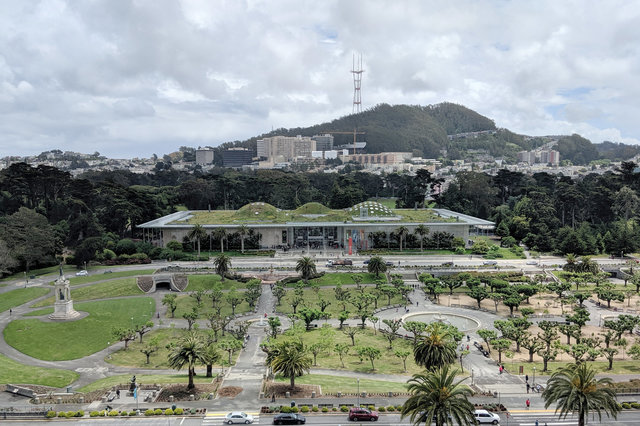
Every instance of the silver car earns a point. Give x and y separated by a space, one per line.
238 417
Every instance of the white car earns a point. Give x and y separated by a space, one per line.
532 262
238 417
484 416
490 262
82 273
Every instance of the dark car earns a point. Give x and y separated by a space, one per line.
358 413
289 419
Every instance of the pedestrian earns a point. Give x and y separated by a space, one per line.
273 397
528 403
503 369
537 424
528 387
467 347
500 369
526 378
118 393
10 312
416 303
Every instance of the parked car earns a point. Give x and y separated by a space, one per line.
82 273
446 264
389 263
238 417
289 419
484 416
359 413
532 262
490 262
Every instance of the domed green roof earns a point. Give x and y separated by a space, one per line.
256 210
312 208
371 208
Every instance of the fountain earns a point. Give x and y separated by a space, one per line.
461 322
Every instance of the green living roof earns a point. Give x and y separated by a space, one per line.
264 213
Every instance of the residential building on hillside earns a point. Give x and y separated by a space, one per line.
285 148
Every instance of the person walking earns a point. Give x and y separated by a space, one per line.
500 369
528 387
528 403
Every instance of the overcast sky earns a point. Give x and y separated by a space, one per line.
133 78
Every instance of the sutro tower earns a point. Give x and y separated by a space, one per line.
357 71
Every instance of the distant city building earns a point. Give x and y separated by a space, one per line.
236 157
383 158
285 148
546 156
204 156
324 142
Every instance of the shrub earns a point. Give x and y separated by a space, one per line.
80 413
168 412
325 410
304 409
178 411
314 409
294 409
344 408
158 412
626 405
371 407
51 414
62 414
148 412
102 413
72 414
114 413
391 408
382 409
285 409
635 405
133 413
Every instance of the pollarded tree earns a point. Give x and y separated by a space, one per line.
436 396
403 354
170 301
306 267
532 345
151 347
188 352
487 335
501 345
351 332
371 353
342 349
415 327
278 292
125 335
308 315
230 345
274 326
196 234
291 361
143 329
377 266
478 294
234 299
222 263
575 390
394 325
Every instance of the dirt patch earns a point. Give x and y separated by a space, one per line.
300 391
181 393
229 391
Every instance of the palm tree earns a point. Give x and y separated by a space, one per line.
221 234
437 397
291 360
401 232
222 262
436 349
576 390
242 231
197 233
421 231
211 356
376 266
306 267
188 352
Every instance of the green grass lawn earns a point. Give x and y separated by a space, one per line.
39 312
310 300
15 373
108 382
387 364
67 269
17 297
344 278
100 277
186 303
334 384
206 282
103 290
54 341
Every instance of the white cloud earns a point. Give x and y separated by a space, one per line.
132 78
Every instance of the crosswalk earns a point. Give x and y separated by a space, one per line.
544 418
218 418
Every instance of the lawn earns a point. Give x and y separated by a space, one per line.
310 299
100 277
55 341
17 297
108 382
206 282
39 312
15 373
334 384
132 357
186 304
103 290
344 278
42 271
389 363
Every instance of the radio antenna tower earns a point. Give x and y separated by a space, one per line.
356 70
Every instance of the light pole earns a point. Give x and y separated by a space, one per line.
534 376
358 392
472 376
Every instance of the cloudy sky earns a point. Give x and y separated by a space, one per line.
133 78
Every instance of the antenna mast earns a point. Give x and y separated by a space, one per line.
356 70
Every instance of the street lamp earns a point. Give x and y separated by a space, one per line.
358 392
472 376
534 376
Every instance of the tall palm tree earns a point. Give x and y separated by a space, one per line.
306 267
188 352
437 397
376 266
436 349
402 233
242 231
576 390
222 262
197 233
421 231
291 360
210 356
221 234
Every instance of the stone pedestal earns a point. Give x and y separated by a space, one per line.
63 307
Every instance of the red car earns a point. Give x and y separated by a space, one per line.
359 413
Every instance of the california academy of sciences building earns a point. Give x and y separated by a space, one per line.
314 225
